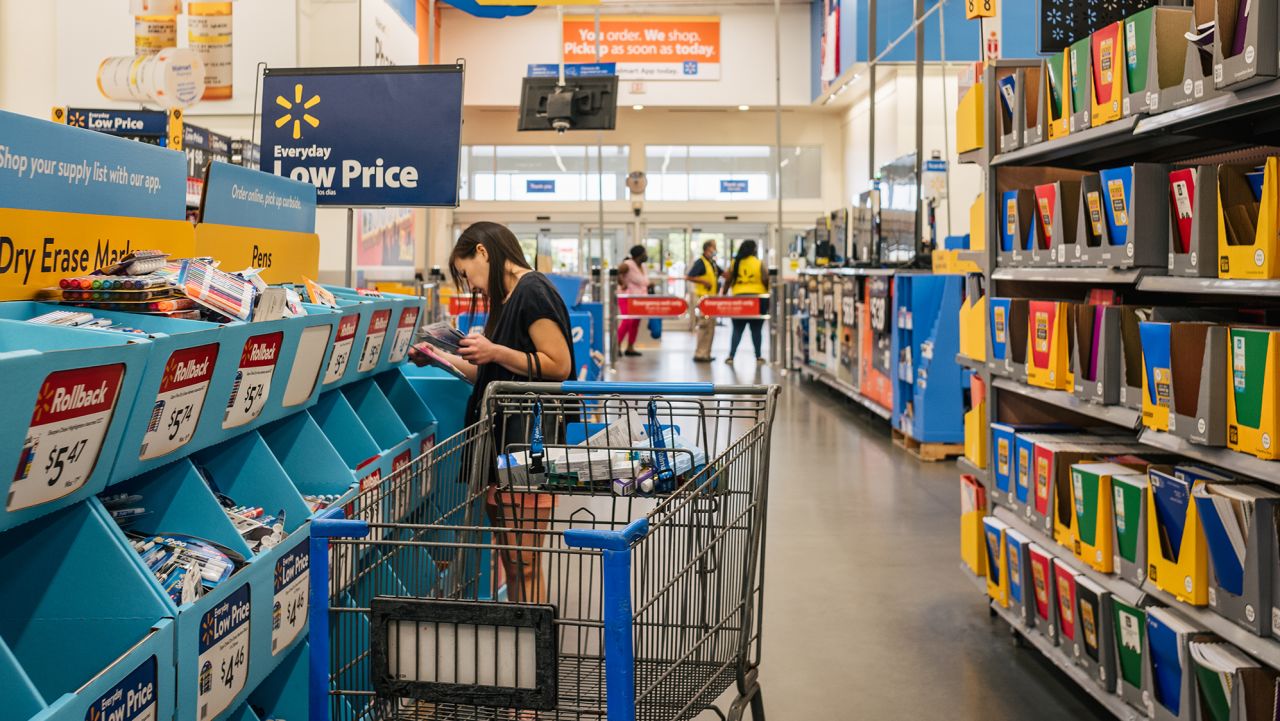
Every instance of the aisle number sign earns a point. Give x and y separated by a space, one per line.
980 9
675 47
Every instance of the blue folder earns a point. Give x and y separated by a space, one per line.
1117 231
1228 569
1010 204
1166 663
1017 543
1172 501
1155 354
992 536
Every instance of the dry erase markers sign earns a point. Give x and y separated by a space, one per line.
305 371
374 339
176 412
132 699
341 354
224 654
253 379
404 334
292 593
72 414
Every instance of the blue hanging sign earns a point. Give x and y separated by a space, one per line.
539 186
733 186
157 127
252 199
372 137
50 166
572 70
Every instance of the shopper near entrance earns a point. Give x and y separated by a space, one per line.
526 337
747 276
633 279
705 274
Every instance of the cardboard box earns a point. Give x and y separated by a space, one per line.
1240 587
1156 53
1009 106
1107 64
1096 358
1134 205
1176 563
1198 362
973 508
1019 229
1092 496
1248 244
1254 392
1244 48
1096 639
973 319
997 560
1193 227
1044 611
1131 317
1048 341
1129 527
1021 587
1079 83
1057 211
970 123
1057 95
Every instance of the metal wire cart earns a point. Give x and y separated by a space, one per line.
584 551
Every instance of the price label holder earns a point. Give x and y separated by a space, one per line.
122 633
348 342
407 313
373 353
69 395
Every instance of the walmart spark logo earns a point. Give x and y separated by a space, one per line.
77 120
294 106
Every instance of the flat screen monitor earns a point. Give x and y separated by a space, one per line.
580 104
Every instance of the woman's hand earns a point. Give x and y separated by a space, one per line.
479 350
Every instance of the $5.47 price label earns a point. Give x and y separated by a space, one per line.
341 354
374 339
253 379
404 334
72 414
292 594
176 412
224 654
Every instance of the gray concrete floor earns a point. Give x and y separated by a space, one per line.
867 613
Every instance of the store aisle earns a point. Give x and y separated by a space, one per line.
867 615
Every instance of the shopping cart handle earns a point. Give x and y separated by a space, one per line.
332 523
673 389
607 540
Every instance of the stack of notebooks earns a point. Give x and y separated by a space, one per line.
1231 686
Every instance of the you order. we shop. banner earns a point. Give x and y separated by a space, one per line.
674 47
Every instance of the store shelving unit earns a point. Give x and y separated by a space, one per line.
1209 286
1116 415
1097 276
846 390
967 466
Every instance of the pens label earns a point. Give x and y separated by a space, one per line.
72 413
292 594
176 411
253 379
224 654
341 354
374 340
132 699
404 334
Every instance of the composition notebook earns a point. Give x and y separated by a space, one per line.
1248 366
1130 628
1172 500
1127 492
1227 513
1165 632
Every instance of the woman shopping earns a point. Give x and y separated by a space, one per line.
747 276
526 337
633 279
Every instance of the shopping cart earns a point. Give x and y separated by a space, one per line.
614 572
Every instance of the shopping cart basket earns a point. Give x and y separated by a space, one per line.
584 551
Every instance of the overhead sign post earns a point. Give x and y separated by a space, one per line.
673 47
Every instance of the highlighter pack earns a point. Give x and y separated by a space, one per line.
1253 392
1193 222
1239 522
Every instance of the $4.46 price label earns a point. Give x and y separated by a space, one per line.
72 414
176 412
224 654
253 379
374 339
404 334
292 594
341 354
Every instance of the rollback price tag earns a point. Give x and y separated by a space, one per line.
374 339
73 411
292 594
224 654
132 699
341 354
176 411
372 502
404 334
253 379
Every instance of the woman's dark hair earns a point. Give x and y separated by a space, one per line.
637 252
745 250
503 247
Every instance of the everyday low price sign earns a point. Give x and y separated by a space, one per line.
376 137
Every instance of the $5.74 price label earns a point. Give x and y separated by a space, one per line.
253 379
72 414
404 334
341 354
374 339
176 412
224 654
292 594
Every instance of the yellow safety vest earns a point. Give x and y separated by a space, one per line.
709 275
750 278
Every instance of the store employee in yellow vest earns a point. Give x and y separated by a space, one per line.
747 277
705 275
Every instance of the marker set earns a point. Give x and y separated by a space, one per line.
185 566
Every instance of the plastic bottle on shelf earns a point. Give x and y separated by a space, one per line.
155 25
209 35
172 78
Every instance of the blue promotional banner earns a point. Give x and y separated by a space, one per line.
252 199
50 166
733 186
366 137
157 127
539 186
573 70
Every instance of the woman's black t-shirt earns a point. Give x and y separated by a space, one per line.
533 299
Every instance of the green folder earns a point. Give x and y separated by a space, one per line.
1248 373
1128 509
1137 48
1084 486
1053 66
1215 697
1130 627
1078 58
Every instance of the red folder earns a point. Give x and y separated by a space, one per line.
1182 198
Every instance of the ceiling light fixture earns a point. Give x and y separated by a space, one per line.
637 107
744 108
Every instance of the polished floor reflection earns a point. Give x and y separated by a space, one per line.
867 615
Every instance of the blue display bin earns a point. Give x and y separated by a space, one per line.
348 436
413 411
80 621
445 394
243 712
282 696
929 401
308 458
69 395
385 346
